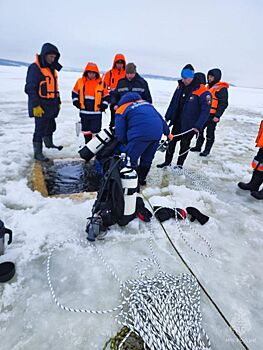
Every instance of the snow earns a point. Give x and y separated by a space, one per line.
29 317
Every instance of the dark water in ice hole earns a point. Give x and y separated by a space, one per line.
66 177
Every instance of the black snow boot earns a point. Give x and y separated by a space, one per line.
198 146
38 155
257 194
167 161
48 141
142 173
207 149
254 183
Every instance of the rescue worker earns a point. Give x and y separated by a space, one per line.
91 97
188 112
257 164
140 127
132 82
112 77
43 98
219 93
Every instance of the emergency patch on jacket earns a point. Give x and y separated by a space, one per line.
208 99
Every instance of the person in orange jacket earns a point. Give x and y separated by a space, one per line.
91 97
257 164
219 91
112 77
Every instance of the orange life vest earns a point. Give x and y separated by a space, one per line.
259 139
218 86
92 88
200 90
48 88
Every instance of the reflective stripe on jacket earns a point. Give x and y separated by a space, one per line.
89 90
256 165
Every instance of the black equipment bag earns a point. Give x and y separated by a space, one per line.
109 204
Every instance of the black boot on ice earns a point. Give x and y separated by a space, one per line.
48 141
167 161
38 155
198 146
254 183
257 194
207 149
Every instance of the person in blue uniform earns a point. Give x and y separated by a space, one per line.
139 127
43 97
187 113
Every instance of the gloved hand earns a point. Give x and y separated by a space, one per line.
196 214
103 107
76 104
38 111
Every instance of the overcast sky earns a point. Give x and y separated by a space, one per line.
159 36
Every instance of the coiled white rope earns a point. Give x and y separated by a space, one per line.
164 309
199 182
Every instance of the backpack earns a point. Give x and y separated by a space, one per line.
109 204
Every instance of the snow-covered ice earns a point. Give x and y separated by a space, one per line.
29 317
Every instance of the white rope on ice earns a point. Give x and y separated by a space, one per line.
199 181
164 309
186 222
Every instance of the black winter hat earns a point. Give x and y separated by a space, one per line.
200 78
196 214
189 66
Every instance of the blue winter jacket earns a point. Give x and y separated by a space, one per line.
196 109
33 79
138 119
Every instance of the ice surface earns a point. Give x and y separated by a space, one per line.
30 319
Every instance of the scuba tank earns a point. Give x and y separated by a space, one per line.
96 144
116 199
129 182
